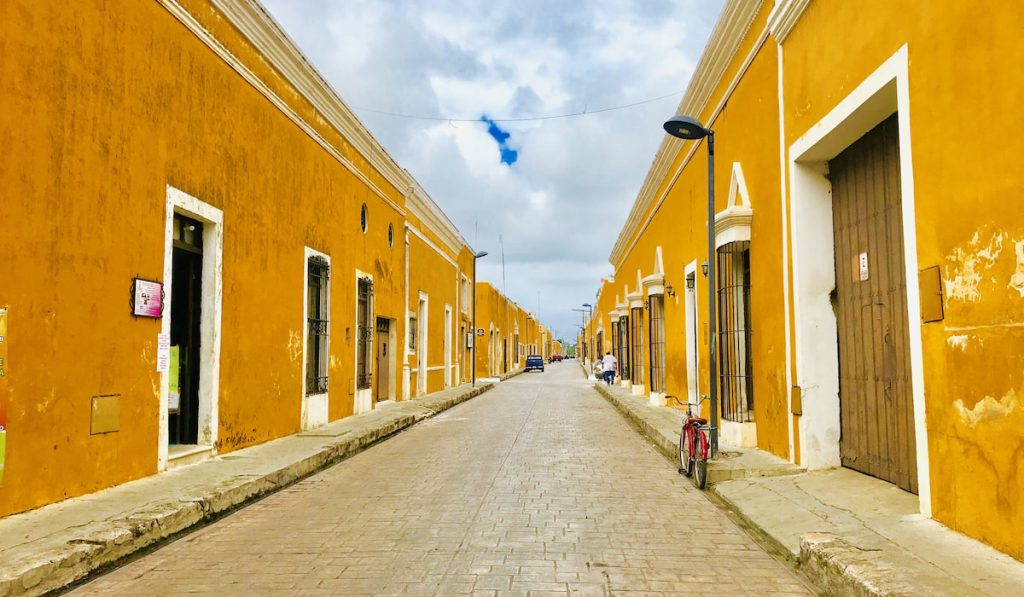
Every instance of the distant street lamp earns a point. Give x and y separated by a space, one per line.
591 332
473 364
690 129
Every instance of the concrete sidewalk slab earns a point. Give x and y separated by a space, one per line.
857 535
53 546
851 534
661 426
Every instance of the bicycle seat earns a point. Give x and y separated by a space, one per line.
698 420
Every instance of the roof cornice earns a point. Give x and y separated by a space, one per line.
728 34
270 39
784 16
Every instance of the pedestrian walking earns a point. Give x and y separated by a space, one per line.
610 365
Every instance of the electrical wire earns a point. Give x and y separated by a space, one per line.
583 112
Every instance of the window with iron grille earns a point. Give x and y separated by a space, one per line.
656 328
599 353
623 356
615 341
318 273
636 348
515 344
735 368
364 334
412 333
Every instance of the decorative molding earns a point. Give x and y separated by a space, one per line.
654 284
784 16
732 224
430 243
732 27
269 39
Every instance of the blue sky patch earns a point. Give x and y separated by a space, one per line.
501 136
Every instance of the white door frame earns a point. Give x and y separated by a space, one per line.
881 94
314 410
423 309
178 201
448 346
691 337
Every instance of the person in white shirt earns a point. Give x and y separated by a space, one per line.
609 365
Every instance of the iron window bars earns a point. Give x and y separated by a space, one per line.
364 334
735 367
318 273
636 333
656 313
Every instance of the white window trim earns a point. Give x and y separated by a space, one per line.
449 321
315 407
423 312
881 94
180 202
362 399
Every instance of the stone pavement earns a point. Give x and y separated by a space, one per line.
850 534
52 546
538 487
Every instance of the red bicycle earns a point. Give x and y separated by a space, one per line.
694 444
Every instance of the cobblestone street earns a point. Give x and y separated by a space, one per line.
537 487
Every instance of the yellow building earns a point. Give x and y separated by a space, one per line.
205 248
868 249
505 333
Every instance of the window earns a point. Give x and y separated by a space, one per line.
636 350
363 217
623 355
516 345
465 298
364 334
657 335
391 235
735 375
412 333
316 325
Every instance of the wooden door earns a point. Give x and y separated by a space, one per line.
876 407
383 390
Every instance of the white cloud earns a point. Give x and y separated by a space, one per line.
559 208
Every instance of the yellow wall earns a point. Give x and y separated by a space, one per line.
964 99
107 108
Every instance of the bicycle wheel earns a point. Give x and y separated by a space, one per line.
700 464
686 450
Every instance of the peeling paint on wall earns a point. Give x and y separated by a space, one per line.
1017 279
294 345
969 265
961 341
987 409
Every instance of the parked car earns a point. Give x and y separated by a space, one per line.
534 361
556 358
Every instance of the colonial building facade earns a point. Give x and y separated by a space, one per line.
869 262
204 249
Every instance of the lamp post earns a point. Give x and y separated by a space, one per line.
583 330
473 364
690 129
590 333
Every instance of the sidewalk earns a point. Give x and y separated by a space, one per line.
53 546
849 533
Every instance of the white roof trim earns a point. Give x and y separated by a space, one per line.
784 17
732 27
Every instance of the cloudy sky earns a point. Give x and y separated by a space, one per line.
555 191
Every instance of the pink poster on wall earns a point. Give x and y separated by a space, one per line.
147 298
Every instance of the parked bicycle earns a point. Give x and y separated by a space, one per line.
694 446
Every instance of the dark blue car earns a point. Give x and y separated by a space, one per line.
534 361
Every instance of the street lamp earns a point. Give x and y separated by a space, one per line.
473 364
583 329
590 334
690 129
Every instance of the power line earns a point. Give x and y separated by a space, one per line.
583 112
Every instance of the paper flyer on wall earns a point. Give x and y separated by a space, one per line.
3 391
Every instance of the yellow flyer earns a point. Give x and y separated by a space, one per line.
3 390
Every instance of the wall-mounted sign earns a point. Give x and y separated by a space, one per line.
479 331
3 391
147 299
862 263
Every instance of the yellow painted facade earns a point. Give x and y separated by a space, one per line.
507 333
787 86
122 119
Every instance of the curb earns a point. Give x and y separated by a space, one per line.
668 448
101 549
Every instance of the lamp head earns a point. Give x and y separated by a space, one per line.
480 254
685 127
